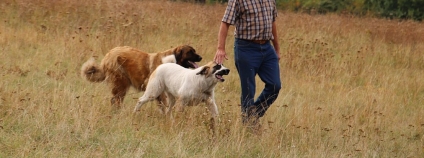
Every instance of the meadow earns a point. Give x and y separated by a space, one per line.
352 87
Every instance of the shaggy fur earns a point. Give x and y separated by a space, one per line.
185 86
123 67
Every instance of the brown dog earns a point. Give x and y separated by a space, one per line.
124 67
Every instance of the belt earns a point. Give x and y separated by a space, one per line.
259 41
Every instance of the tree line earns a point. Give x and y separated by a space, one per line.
393 9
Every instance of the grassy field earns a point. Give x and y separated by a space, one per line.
352 87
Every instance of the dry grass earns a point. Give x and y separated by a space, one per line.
351 87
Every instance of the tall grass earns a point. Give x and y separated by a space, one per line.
352 87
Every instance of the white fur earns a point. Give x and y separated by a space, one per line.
169 59
182 86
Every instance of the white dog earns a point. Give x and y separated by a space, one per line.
185 86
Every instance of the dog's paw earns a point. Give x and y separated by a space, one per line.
136 110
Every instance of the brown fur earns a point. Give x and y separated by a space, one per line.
125 67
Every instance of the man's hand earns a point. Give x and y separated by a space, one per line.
278 55
220 55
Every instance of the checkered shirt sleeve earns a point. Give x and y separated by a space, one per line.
230 12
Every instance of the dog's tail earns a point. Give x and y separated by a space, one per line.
91 71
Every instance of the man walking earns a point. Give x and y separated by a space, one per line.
255 29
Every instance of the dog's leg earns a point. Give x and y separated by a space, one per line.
119 90
153 90
171 103
213 109
162 102
180 104
142 100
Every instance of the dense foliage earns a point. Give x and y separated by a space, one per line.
402 9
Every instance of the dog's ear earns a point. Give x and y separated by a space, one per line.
204 71
178 52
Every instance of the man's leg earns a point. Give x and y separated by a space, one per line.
269 72
247 60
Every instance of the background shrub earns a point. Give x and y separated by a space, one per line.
401 9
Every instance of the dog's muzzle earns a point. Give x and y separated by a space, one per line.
219 75
225 71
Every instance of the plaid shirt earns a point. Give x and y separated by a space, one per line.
252 18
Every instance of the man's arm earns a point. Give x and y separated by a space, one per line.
220 54
275 40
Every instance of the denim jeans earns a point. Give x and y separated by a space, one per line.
253 59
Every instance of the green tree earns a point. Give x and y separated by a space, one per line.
403 9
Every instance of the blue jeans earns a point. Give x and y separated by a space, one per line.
253 59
